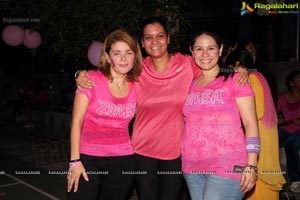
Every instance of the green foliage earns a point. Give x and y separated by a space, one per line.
69 26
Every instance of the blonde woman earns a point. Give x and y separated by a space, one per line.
101 150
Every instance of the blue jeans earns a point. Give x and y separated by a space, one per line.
212 187
291 144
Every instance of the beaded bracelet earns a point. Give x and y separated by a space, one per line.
74 164
252 167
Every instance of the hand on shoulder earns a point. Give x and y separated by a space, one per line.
83 80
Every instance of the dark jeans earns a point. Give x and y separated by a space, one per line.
291 144
162 179
107 178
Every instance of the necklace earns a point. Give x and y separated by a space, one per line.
115 81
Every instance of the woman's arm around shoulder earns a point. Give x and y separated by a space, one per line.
83 80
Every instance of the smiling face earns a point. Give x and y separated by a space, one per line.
206 52
155 40
121 58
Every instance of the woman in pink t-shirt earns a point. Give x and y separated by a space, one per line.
101 157
288 107
218 159
270 180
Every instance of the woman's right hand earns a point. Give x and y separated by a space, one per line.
83 81
74 176
248 180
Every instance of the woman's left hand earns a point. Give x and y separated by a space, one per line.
244 74
248 180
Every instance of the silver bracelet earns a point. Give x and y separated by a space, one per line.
77 74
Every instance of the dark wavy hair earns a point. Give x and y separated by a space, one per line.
224 70
241 55
153 20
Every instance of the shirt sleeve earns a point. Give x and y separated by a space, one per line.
87 91
241 90
197 71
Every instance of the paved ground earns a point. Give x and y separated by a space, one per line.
32 166
34 163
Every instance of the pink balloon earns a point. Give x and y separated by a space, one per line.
32 39
13 35
94 53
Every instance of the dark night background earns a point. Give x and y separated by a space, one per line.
274 35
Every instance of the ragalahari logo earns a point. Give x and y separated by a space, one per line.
269 8
246 9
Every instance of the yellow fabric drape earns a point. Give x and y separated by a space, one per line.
269 178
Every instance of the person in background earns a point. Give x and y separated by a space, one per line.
228 47
101 150
35 96
288 109
252 48
218 159
269 179
157 132
248 44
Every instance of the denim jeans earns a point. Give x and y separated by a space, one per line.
213 187
291 144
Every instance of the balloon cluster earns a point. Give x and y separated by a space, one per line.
14 35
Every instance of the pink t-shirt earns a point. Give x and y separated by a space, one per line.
291 111
158 127
214 140
105 126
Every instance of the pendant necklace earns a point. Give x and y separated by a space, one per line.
114 81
